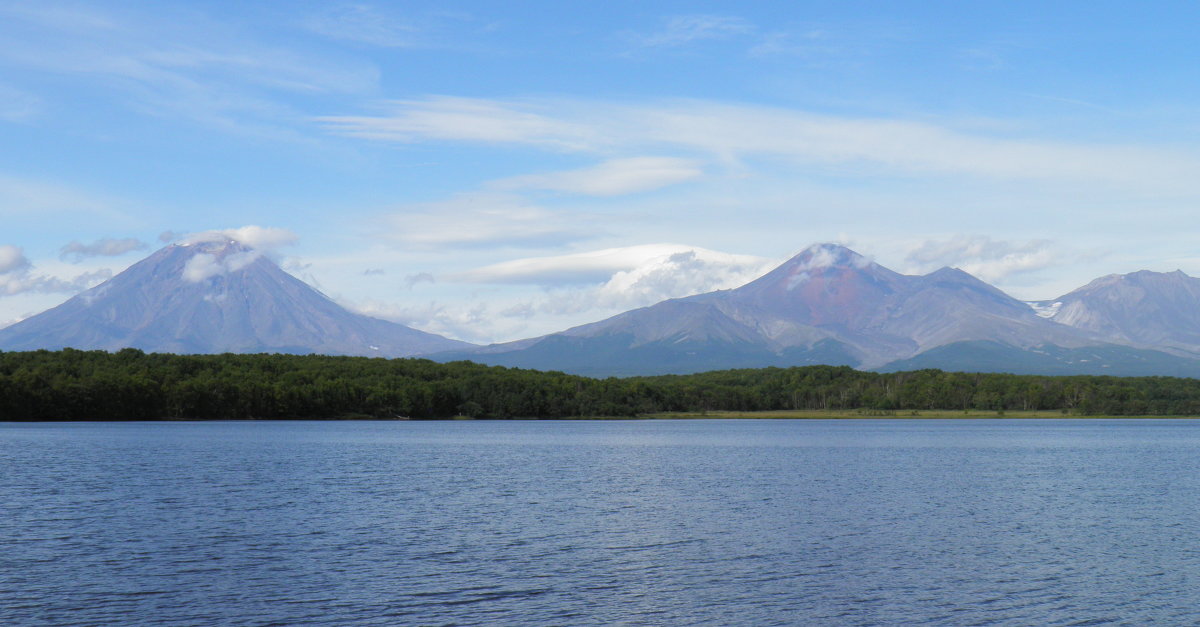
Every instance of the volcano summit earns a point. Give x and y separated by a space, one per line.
214 295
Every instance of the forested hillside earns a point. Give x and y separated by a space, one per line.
132 385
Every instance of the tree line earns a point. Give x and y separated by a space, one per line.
133 385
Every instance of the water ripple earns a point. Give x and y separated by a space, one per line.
697 523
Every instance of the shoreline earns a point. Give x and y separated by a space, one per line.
932 414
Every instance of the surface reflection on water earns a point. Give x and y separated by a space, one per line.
646 522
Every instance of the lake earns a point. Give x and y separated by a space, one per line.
690 522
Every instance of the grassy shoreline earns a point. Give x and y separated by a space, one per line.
930 414
804 414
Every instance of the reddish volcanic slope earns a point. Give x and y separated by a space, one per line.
827 304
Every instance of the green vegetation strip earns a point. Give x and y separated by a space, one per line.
132 385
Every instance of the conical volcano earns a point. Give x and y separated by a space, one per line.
824 284
214 295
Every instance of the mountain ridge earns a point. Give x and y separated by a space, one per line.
825 305
826 296
1144 308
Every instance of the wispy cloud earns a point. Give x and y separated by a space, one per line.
483 220
681 30
470 120
615 177
809 43
683 273
575 288
106 247
475 322
621 278
594 266
173 62
983 257
729 133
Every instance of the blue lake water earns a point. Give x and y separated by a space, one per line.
854 522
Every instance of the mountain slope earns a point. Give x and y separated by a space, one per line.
827 304
214 296
1101 359
1159 309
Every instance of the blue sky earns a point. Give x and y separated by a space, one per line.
492 171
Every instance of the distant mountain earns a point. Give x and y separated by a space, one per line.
827 305
214 296
1157 309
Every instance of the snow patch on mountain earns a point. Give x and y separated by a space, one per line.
1045 310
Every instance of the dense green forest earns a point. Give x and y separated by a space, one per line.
132 385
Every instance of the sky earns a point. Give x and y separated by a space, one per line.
493 171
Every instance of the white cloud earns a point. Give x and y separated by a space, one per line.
568 290
483 220
265 239
17 276
471 120
680 30
471 322
621 278
106 247
77 283
595 266
412 280
259 240
680 274
12 259
204 265
826 255
615 177
988 259
729 133
829 255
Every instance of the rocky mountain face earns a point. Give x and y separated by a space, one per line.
1152 309
211 297
826 305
